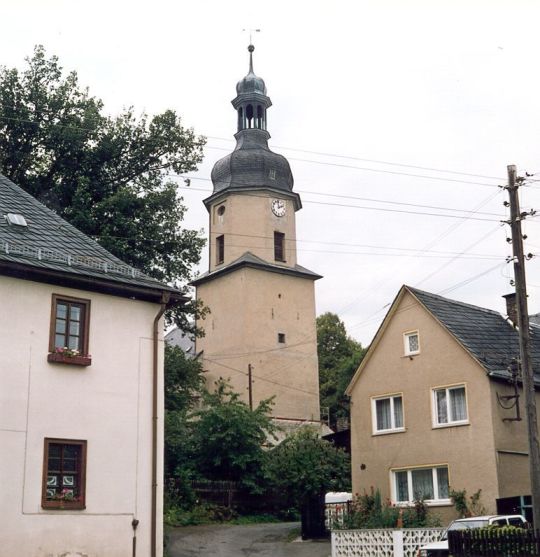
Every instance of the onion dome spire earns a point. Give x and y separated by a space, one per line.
252 165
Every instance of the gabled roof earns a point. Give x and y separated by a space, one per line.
248 259
488 337
483 332
49 249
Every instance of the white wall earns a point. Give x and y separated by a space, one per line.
108 404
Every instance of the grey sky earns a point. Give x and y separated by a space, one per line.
445 85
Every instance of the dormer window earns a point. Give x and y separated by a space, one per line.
411 341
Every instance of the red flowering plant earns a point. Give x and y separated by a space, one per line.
66 495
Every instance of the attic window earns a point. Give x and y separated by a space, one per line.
411 343
16 219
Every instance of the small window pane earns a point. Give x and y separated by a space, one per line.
442 480
413 343
398 412
71 451
55 450
70 465
61 311
442 412
383 414
75 314
457 404
54 464
402 486
59 341
74 328
422 481
60 326
73 343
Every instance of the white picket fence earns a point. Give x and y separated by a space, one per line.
403 542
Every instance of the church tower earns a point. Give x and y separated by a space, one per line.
260 333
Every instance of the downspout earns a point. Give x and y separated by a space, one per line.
165 296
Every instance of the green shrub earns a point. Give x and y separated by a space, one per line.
202 513
370 511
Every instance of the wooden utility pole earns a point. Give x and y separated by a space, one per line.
250 388
527 374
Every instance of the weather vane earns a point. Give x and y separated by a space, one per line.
251 31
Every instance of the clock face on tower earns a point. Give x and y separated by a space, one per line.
278 207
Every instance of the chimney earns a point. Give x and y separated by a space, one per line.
511 309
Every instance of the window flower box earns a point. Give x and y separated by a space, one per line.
66 356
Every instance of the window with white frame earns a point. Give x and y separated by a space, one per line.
414 484
450 406
387 413
411 343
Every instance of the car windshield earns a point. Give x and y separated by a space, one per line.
464 525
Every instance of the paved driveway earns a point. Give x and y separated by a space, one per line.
256 540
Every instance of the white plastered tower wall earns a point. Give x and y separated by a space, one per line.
261 301
108 404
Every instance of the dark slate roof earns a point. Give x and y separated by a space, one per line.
49 244
252 164
483 332
250 260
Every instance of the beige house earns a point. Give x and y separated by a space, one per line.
81 368
260 333
427 407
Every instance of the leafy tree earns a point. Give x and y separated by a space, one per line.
108 176
184 386
229 437
339 358
304 465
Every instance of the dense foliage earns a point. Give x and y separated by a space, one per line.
107 175
370 511
304 465
339 358
229 437
184 387
209 436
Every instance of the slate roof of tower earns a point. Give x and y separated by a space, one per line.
49 243
248 259
483 332
252 164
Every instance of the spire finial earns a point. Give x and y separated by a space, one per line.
251 48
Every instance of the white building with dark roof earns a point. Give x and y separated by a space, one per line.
81 381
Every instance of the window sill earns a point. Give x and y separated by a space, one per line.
63 505
455 424
58 358
389 432
428 502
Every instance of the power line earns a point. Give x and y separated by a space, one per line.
318 153
435 241
330 204
341 196
378 170
349 157
334 252
444 291
459 255
262 378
